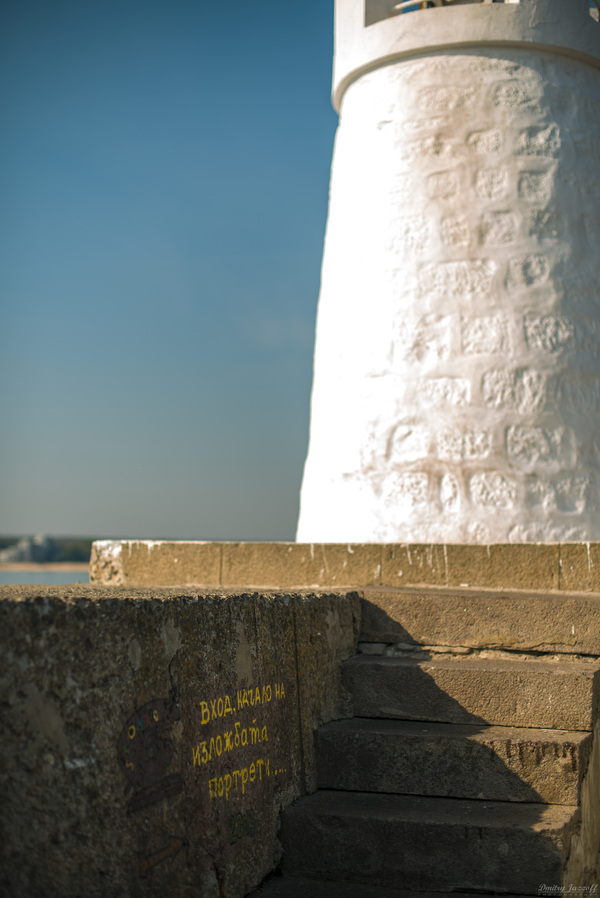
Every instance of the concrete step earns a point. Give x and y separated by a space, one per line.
435 844
453 760
514 620
284 887
521 693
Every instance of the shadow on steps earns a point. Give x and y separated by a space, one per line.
456 775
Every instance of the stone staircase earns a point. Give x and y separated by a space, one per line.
472 762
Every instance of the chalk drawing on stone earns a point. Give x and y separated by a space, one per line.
243 825
144 753
148 861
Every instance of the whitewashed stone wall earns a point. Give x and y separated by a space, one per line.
457 368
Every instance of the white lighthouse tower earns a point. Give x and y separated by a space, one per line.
456 391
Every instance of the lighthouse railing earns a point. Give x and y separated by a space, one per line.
412 5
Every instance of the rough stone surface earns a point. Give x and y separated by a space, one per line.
567 566
156 563
584 858
274 564
455 389
284 887
150 738
437 759
521 693
465 618
494 566
580 566
285 564
386 839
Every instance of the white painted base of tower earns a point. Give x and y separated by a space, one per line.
456 387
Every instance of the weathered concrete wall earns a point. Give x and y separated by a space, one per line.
562 566
149 739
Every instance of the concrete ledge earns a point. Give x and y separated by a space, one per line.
149 738
535 693
327 837
450 761
467 619
568 566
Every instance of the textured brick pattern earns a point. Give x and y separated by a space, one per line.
456 372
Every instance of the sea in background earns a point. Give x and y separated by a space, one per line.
42 576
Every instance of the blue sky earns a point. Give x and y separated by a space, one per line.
163 194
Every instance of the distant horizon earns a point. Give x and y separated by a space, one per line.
67 537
